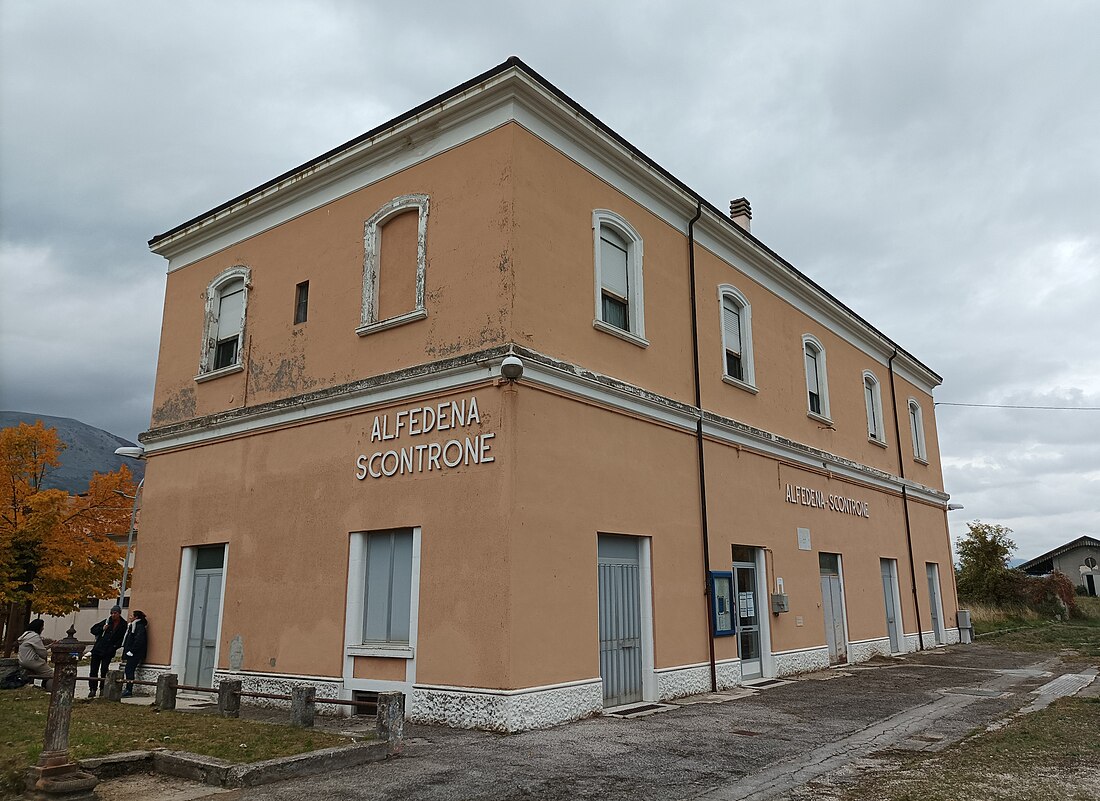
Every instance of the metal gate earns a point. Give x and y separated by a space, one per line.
832 604
620 620
889 594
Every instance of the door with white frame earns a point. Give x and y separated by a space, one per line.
832 605
204 616
620 619
890 600
935 602
746 591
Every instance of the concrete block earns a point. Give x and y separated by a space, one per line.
229 698
166 691
302 706
391 721
311 764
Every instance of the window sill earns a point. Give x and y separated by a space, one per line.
821 419
382 650
633 339
920 460
733 382
233 368
382 325
878 442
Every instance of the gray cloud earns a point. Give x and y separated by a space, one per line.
932 164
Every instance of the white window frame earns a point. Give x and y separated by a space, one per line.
356 601
874 409
748 382
210 327
372 247
636 297
916 425
809 340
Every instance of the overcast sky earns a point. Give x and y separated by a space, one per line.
935 165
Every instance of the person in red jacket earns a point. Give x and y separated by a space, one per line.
108 635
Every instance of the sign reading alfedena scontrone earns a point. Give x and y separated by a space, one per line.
426 457
808 496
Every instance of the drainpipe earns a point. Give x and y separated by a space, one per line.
905 501
699 446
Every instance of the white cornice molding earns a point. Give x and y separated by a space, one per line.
483 368
514 96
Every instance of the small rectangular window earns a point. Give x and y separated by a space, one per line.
301 302
225 353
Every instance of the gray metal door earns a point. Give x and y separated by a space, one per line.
202 626
832 604
889 568
620 620
934 601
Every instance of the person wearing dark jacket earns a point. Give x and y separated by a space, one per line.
133 648
108 635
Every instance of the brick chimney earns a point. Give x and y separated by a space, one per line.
741 212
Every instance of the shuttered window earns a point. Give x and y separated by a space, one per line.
731 333
615 277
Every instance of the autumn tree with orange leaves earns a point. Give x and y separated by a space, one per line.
55 552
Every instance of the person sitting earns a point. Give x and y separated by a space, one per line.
32 654
108 639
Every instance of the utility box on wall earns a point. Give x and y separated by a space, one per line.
781 602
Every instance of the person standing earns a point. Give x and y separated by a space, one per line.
133 648
108 635
32 654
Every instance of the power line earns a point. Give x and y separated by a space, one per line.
1009 406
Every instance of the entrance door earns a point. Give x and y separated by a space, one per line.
748 611
890 595
832 604
1090 584
202 626
620 620
934 602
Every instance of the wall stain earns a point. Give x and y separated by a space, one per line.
176 407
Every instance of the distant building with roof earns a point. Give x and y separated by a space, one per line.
1079 559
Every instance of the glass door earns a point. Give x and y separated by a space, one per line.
748 612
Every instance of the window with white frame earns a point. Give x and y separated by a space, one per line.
872 396
387 591
618 263
223 334
400 264
737 364
817 377
916 425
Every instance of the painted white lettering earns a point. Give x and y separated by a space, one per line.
392 470
473 453
361 467
406 460
429 418
485 458
376 431
441 415
447 449
414 422
434 449
400 422
375 473
472 414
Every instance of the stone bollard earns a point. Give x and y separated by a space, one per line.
229 698
112 686
167 684
302 706
391 721
56 776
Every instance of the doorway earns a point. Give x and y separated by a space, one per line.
832 605
934 602
203 619
890 598
620 619
748 611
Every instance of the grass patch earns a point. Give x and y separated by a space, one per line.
1050 755
99 728
1020 628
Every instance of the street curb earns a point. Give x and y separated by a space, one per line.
221 773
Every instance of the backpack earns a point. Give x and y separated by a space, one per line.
13 681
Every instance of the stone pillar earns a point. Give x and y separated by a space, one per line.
167 684
302 706
112 687
55 776
229 698
391 721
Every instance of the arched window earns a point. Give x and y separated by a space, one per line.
394 264
226 311
817 377
618 267
916 425
737 362
872 396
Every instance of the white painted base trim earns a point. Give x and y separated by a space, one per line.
801 660
863 650
505 710
681 680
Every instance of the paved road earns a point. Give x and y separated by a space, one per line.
756 746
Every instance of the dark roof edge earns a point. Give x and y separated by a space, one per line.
1061 549
517 63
